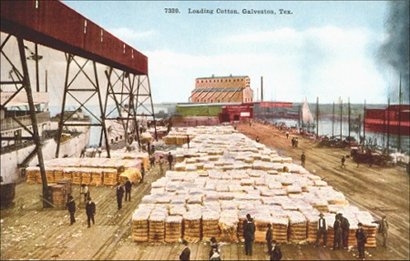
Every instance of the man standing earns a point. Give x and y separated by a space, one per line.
85 191
303 159
345 230
142 172
170 160
90 211
128 186
343 162
383 229
120 194
337 226
248 234
276 253
71 209
361 240
185 255
187 140
321 230
268 238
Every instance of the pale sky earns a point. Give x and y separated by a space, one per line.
326 49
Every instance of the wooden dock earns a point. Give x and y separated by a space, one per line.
30 232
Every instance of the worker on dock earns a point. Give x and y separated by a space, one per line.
187 140
287 134
142 172
152 160
170 160
321 230
276 253
337 239
268 238
186 253
120 193
128 186
343 160
71 209
85 191
248 234
303 159
361 239
90 211
383 229
345 230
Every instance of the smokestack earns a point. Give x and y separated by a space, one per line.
261 88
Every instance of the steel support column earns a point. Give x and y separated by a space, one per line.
35 134
86 90
23 79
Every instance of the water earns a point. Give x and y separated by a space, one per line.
379 139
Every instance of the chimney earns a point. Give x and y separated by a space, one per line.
261 88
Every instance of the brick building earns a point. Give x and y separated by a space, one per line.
222 89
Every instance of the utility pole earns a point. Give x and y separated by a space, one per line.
333 119
348 115
399 118
364 122
341 117
317 117
388 124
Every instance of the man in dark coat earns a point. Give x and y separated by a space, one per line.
276 253
268 238
186 253
361 238
338 239
345 230
128 186
303 159
120 194
142 172
321 230
248 234
170 160
90 211
71 209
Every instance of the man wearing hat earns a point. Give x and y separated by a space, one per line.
361 238
321 230
248 234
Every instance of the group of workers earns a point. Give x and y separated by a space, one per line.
90 207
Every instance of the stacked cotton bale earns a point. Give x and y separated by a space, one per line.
280 229
192 226
110 176
228 223
173 229
139 227
157 225
297 227
86 176
210 224
32 173
96 177
50 175
77 176
58 174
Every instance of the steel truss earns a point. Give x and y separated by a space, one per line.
86 90
21 81
144 104
121 89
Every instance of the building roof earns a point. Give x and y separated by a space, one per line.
227 89
230 76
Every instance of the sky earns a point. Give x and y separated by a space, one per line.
325 49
